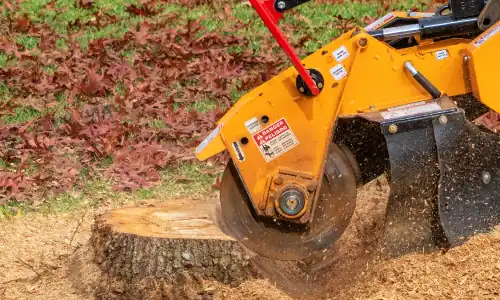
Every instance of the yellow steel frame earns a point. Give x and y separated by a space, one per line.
374 79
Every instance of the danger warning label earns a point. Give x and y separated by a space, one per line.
276 139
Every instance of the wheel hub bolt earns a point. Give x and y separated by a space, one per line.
443 120
291 202
393 128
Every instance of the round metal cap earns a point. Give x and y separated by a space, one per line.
292 202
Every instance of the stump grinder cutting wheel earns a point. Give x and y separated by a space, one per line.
394 97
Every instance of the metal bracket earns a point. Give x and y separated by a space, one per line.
445 181
284 5
490 15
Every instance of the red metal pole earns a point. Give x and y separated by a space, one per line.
271 18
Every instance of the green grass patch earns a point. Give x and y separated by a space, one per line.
3 164
204 105
62 44
28 42
157 123
188 180
4 58
11 209
5 91
21 115
50 69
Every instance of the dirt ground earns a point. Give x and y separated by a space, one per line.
36 252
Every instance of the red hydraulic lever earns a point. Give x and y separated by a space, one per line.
270 16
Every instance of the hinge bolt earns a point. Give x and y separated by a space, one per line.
281 5
393 128
363 42
443 120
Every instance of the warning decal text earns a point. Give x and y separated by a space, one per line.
486 35
275 140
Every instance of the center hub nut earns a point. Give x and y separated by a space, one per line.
291 202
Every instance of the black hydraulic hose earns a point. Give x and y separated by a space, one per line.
429 28
424 82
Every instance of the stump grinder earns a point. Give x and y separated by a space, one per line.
397 97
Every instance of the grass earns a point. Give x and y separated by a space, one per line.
5 92
188 180
3 59
21 115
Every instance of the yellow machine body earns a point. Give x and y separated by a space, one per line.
484 68
361 75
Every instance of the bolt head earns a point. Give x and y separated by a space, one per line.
320 85
443 120
301 89
363 42
393 128
281 5
486 177
278 180
466 58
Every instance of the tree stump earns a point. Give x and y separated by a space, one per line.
164 252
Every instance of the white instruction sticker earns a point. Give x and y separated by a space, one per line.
253 125
338 72
410 110
208 139
238 151
486 35
441 54
380 22
340 54
421 14
275 140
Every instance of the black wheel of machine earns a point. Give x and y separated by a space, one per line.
287 241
